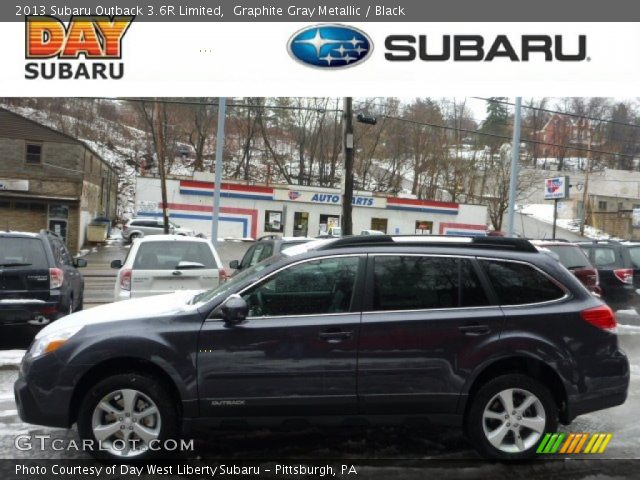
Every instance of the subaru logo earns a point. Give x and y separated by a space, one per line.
330 46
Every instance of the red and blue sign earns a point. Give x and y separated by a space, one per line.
227 190
556 188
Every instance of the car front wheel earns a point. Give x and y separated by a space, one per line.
509 416
127 416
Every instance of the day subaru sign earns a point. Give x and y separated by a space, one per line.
556 188
330 46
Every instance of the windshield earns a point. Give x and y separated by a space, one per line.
305 247
224 288
570 256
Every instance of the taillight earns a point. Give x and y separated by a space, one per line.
588 276
56 277
601 317
625 275
125 279
222 275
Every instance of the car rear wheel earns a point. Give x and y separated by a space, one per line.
509 416
127 416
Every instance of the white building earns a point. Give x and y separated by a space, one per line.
251 211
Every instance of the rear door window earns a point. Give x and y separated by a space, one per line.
173 255
520 284
22 252
424 282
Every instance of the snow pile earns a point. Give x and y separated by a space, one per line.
11 358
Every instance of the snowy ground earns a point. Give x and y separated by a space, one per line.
544 212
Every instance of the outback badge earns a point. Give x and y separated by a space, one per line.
330 46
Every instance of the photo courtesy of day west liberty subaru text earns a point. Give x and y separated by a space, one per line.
87 47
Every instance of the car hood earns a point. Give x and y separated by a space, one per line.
137 308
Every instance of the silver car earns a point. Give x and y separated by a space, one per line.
141 226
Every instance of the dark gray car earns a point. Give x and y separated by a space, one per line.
486 333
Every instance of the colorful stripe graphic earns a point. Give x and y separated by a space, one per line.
248 218
445 208
227 190
573 443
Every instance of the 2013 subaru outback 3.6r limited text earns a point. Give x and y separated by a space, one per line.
487 333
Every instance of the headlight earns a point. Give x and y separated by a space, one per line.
53 340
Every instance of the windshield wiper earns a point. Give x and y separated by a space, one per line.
16 264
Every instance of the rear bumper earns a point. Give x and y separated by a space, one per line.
608 389
19 313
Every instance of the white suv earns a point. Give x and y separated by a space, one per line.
166 263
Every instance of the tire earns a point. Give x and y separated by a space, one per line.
133 236
80 305
112 393
512 439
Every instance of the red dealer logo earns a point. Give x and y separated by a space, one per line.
86 40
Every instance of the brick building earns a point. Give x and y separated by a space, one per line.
50 180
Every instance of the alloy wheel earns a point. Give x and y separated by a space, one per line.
125 422
514 420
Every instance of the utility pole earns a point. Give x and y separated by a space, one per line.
515 158
161 153
222 110
585 194
347 174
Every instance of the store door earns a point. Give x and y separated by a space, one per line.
300 224
327 222
379 224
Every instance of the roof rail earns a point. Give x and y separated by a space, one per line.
268 237
498 243
596 241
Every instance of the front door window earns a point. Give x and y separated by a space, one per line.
315 287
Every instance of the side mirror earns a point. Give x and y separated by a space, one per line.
116 264
234 264
234 310
79 263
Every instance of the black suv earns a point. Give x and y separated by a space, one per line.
265 247
618 265
38 278
485 332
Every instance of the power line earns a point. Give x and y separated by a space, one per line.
215 104
568 114
505 137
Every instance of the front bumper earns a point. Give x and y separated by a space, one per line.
39 396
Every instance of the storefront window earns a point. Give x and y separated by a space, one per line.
272 221
424 227
58 211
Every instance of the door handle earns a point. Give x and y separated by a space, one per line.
332 336
176 272
474 330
